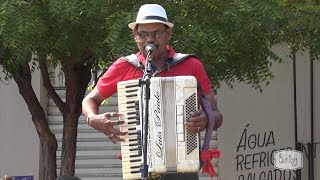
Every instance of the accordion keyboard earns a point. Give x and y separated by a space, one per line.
128 102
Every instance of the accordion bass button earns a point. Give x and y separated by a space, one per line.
180 128
180 137
179 110
179 119
180 132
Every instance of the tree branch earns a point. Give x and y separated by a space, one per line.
48 140
47 84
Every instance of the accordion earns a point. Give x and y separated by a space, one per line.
171 147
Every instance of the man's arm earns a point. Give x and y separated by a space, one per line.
217 114
101 122
91 103
199 120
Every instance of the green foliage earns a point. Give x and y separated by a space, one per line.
303 28
76 25
62 29
233 38
19 25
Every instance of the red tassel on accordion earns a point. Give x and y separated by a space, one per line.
206 157
120 156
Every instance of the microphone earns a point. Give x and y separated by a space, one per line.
150 48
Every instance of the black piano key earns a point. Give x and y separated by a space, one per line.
134 144
136 155
135 160
131 102
132 129
131 95
133 139
134 149
137 171
131 90
133 133
132 85
131 106
130 113
135 167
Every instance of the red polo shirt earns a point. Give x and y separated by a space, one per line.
121 70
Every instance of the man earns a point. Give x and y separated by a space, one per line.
151 27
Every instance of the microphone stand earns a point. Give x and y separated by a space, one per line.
145 121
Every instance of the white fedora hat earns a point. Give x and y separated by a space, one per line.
151 13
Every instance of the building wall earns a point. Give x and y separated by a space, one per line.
256 124
19 142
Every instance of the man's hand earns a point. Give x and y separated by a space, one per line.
104 124
198 121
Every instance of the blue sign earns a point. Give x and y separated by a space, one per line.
23 177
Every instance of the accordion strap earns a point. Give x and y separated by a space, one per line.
176 59
206 106
206 155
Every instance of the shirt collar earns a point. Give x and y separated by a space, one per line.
170 55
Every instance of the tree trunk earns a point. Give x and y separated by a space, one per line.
48 140
77 77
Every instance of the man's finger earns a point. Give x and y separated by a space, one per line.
115 138
112 114
196 113
116 122
117 132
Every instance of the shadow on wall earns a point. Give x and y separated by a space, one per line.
6 177
68 178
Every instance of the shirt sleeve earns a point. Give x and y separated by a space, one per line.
107 84
202 77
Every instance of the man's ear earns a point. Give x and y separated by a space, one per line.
134 33
169 30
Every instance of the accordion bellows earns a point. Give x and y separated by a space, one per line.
171 147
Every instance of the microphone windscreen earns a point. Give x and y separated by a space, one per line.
150 47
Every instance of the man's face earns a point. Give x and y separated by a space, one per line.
155 33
